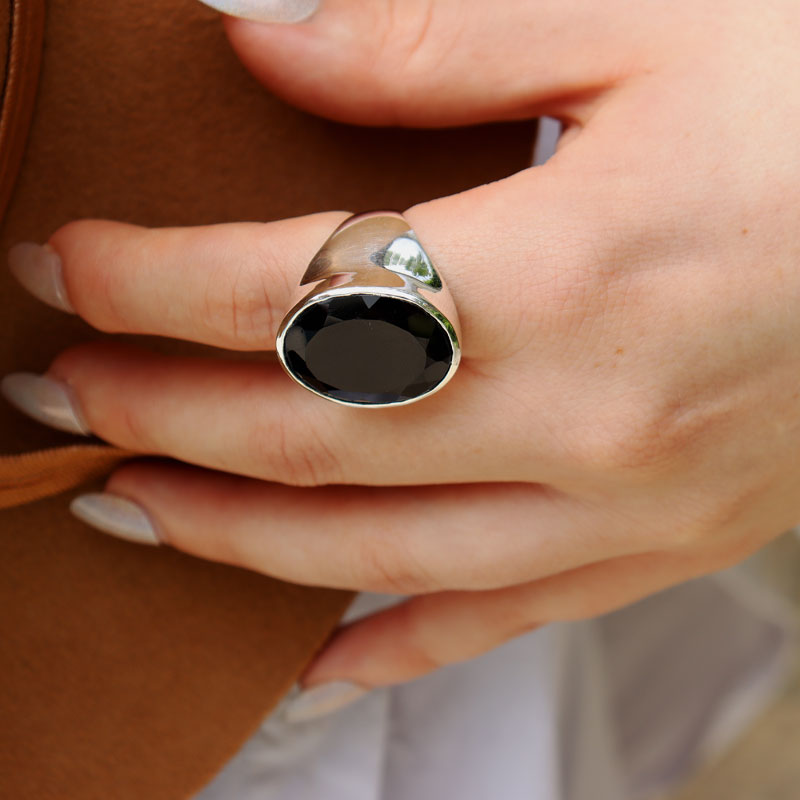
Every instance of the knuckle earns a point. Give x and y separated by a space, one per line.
519 615
723 518
575 282
384 563
411 39
298 454
697 526
128 426
245 314
640 440
424 647
418 43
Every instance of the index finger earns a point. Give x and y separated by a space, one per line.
226 285
230 285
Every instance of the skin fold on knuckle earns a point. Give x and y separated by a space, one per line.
638 439
424 648
294 453
245 316
382 561
420 40
733 519
472 629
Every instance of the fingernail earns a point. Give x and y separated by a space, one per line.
323 699
116 515
266 10
46 400
38 268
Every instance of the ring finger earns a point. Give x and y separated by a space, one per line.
406 540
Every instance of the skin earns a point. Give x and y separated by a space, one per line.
627 412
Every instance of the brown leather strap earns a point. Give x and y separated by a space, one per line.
22 28
26 477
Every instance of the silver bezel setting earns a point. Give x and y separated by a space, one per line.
406 273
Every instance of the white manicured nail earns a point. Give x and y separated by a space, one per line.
116 515
266 10
46 400
323 699
38 268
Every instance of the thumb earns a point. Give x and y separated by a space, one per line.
449 62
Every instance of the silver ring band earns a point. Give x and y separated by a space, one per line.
365 335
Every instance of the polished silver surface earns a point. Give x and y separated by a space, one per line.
375 253
405 256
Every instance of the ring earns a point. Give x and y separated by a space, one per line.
365 335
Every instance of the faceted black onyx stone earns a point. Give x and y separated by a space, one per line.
368 349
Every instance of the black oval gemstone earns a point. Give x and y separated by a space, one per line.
368 349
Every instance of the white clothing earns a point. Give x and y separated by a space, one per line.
617 708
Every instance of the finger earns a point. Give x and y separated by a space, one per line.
252 419
447 62
227 285
428 632
387 539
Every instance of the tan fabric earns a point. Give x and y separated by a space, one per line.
30 476
133 672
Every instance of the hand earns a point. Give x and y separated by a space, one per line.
627 412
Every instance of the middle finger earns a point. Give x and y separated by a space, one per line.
248 418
